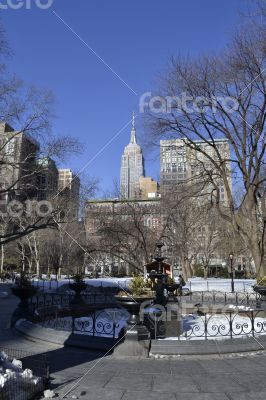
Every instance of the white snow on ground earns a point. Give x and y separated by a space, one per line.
108 323
218 327
221 285
16 383
104 282
193 284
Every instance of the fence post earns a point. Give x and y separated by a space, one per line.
73 324
231 325
94 320
205 326
114 324
252 323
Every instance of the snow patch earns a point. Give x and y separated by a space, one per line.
16 383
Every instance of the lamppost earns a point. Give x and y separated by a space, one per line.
159 257
232 274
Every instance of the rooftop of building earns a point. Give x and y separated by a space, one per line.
46 161
165 141
6 128
117 200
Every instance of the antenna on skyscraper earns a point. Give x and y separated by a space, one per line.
133 130
133 120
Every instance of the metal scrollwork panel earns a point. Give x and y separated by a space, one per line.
217 327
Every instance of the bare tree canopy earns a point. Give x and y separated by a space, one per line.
25 138
124 230
224 96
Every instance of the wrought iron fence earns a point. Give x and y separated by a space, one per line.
101 323
237 298
209 326
54 284
45 300
23 386
220 285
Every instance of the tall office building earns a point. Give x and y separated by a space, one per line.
132 167
68 190
149 189
47 178
68 182
18 154
181 163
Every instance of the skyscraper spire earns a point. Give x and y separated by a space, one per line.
132 166
133 120
133 131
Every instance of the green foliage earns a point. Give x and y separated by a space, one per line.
24 280
223 273
121 273
137 285
261 281
199 271
78 278
170 281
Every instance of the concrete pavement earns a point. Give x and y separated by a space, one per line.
241 378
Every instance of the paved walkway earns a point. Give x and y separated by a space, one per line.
212 378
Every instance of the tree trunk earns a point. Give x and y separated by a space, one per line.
37 267
2 259
186 269
250 225
259 260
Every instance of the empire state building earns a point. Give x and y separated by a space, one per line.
132 167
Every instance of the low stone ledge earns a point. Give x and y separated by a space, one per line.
206 347
64 338
37 332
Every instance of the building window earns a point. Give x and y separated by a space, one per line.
10 147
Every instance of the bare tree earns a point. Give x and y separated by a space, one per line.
185 219
125 230
29 112
227 99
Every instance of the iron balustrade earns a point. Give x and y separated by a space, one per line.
236 298
102 323
240 286
207 326
241 323
61 300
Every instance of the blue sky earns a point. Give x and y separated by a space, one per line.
135 38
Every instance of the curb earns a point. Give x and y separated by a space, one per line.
207 347
63 338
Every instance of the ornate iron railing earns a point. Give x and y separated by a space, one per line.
101 323
210 326
44 300
236 298
241 323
